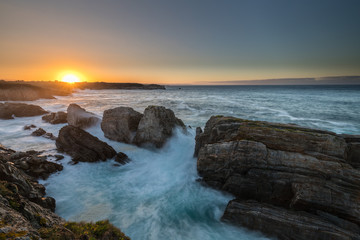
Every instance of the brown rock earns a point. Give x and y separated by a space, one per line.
8 110
120 124
82 146
122 158
156 126
79 117
55 118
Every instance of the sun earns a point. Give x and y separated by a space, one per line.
70 78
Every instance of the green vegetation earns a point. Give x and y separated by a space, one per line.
12 235
98 230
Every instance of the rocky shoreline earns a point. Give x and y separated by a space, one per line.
288 181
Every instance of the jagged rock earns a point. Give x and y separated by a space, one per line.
29 126
156 126
55 118
122 158
58 157
82 146
287 166
33 164
38 132
79 117
284 224
120 124
8 110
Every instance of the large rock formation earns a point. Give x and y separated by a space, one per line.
79 117
25 212
120 124
156 126
297 180
8 110
82 146
55 118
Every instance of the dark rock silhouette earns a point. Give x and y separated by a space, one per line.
8 110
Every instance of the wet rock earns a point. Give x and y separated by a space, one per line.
29 127
122 158
9 110
55 118
34 164
299 175
58 157
120 124
79 117
39 132
156 126
283 224
82 146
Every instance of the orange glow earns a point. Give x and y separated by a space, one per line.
70 78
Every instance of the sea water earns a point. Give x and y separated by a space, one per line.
156 195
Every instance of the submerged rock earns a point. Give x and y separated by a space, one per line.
156 126
38 132
55 118
293 175
9 110
120 124
29 126
122 158
82 146
79 117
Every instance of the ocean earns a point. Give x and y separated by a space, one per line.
156 195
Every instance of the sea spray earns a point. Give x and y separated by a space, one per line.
155 196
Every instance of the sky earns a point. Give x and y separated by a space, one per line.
179 42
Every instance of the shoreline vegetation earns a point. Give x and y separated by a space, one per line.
34 90
287 181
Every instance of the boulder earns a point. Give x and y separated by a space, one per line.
55 118
156 126
284 175
79 117
9 110
82 146
120 124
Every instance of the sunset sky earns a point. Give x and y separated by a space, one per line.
172 42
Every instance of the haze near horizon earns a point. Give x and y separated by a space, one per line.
182 42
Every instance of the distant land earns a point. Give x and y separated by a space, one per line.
33 90
336 80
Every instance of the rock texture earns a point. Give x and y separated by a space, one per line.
55 118
82 146
120 124
79 117
25 212
156 126
122 158
8 110
296 179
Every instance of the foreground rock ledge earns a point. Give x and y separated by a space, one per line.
291 175
9 110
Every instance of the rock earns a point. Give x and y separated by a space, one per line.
8 110
39 132
29 127
79 117
82 146
33 164
156 126
55 118
122 158
283 224
25 212
120 124
58 157
287 169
